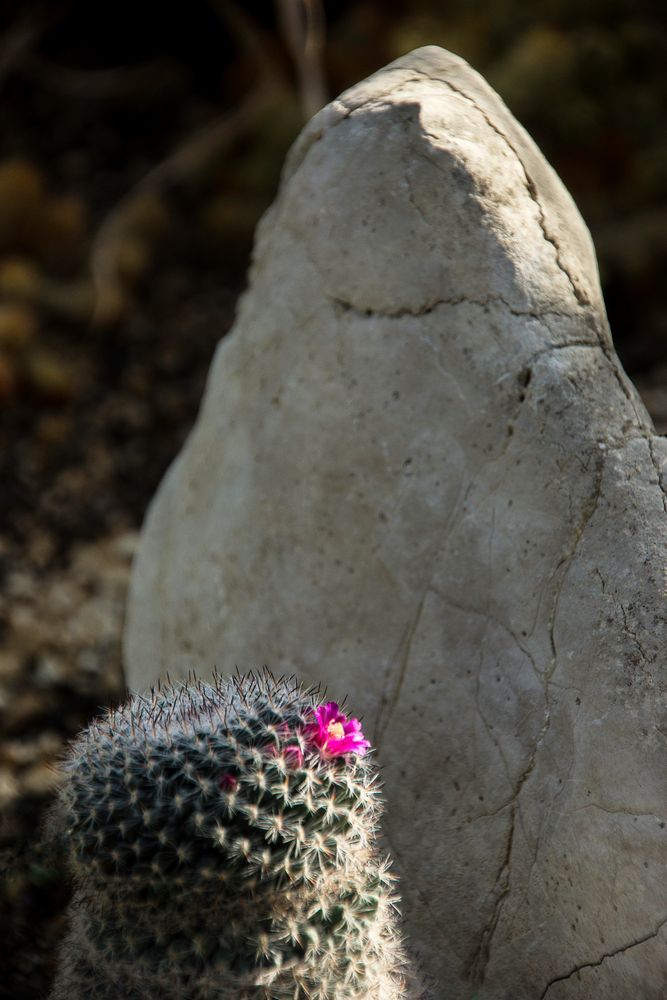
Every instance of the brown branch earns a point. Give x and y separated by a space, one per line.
302 25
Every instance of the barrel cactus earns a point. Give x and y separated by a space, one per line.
222 843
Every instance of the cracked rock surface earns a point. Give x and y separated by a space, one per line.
420 474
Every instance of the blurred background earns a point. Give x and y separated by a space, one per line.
139 144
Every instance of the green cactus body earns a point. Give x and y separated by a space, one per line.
218 852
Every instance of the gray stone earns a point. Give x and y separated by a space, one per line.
421 476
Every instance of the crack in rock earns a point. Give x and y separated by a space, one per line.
483 954
416 311
566 561
392 700
501 889
658 472
630 813
633 635
603 958
530 183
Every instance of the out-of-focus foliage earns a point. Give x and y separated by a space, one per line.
589 82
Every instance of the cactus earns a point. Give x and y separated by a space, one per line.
222 843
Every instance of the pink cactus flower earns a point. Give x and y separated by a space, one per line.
227 782
295 755
334 734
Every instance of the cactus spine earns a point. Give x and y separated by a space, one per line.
222 845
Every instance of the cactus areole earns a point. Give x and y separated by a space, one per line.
221 838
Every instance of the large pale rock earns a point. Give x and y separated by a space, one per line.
421 475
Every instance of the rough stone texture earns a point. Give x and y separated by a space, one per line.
420 472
